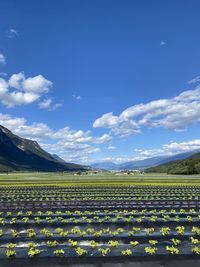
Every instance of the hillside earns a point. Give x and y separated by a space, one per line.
19 154
56 157
190 165
141 164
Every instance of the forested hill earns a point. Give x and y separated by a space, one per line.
190 165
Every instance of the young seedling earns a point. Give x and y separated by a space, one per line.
150 230
72 243
126 252
11 245
93 244
10 253
103 251
172 250
175 241
52 243
134 243
151 250
180 230
32 245
59 252
113 244
80 251
46 232
33 251
196 230
1 233
153 242
189 218
14 232
196 250
165 231
31 233
194 241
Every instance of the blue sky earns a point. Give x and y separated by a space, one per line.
102 80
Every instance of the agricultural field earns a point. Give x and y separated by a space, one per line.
99 218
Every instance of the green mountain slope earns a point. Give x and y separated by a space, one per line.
17 154
190 165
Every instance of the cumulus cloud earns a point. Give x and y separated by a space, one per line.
102 139
106 121
37 84
13 33
170 149
70 144
19 90
45 104
175 113
2 59
48 105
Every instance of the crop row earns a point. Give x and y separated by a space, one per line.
89 232
114 212
90 193
72 248
61 220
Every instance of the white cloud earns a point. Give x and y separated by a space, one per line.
3 87
48 104
37 84
13 33
162 43
18 98
170 149
77 97
174 113
2 59
10 122
16 80
102 139
66 134
45 104
106 121
19 90
194 80
55 106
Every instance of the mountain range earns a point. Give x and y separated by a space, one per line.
20 154
142 164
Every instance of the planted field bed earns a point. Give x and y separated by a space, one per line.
94 221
